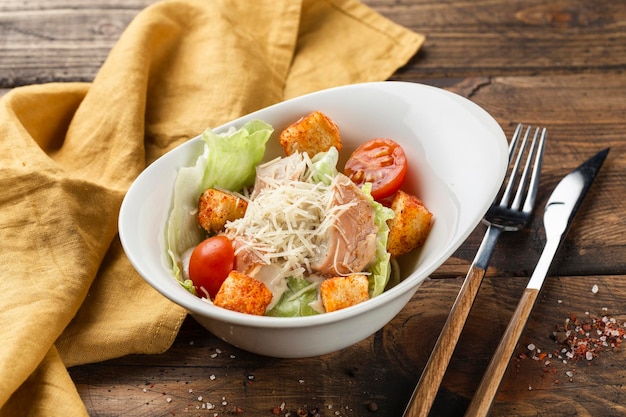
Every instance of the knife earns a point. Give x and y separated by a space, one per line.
558 215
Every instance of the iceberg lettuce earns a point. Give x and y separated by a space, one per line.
325 166
380 268
297 300
229 162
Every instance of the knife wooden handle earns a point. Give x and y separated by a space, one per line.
428 385
486 392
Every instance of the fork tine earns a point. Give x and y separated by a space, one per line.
506 196
534 178
514 140
520 195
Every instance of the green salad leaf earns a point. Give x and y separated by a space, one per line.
229 162
296 300
325 166
380 269
233 156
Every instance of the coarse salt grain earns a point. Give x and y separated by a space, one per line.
594 289
588 355
531 346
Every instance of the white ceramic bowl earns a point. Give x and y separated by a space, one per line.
458 158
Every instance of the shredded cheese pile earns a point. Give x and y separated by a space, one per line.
286 222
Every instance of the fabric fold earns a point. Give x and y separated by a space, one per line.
69 151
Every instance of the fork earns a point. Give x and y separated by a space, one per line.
503 215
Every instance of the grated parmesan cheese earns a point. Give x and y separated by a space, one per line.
286 221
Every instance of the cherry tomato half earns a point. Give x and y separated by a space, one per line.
381 162
210 263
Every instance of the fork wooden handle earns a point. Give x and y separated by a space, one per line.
428 385
486 392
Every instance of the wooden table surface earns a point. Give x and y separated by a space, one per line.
558 64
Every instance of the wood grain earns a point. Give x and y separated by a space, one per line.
384 368
426 390
67 40
59 40
488 387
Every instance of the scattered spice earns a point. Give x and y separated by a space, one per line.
578 339
586 338
279 408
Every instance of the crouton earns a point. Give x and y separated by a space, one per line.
410 226
216 207
344 291
244 294
311 134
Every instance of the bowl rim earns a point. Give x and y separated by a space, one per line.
197 306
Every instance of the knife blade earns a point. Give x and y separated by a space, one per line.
559 212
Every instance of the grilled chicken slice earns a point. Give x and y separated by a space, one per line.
349 244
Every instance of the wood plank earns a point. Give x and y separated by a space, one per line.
512 37
383 368
59 40
66 40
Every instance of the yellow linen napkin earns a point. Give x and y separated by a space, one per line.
68 152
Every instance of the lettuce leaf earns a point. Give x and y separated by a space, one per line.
325 166
296 300
380 269
233 156
229 162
